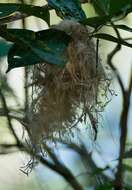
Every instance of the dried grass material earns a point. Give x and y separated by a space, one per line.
64 92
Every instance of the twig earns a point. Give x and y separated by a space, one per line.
26 106
97 54
8 116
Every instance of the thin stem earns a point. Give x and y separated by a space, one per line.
8 116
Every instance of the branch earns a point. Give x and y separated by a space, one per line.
60 168
130 84
118 183
8 116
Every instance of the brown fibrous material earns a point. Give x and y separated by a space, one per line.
67 96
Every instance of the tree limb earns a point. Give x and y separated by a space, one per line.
118 183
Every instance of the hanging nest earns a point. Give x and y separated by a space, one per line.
64 97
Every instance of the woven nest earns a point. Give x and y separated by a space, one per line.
64 97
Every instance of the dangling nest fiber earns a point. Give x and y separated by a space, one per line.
67 96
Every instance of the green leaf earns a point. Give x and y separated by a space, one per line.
106 186
101 6
6 10
35 47
127 187
127 167
17 35
128 154
20 56
4 48
96 21
68 10
112 8
9 8
123 27
112 39
120 7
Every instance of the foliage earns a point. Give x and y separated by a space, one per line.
108 11
44 46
